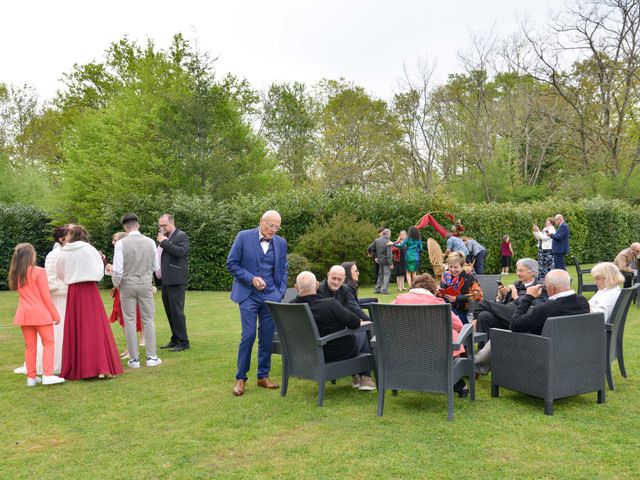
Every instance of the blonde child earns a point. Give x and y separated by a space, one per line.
36 313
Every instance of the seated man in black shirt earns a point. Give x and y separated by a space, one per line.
332 317
333 287
562 301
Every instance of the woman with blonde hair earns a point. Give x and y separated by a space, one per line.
459 287
608 279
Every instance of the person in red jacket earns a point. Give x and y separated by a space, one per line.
36 314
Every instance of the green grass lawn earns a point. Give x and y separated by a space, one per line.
180 420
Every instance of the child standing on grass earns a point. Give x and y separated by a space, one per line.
506 251
36 314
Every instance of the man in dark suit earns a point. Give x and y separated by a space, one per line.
258 262
334 287
332 317
562 301
173 253
560 242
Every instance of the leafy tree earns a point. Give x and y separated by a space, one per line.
289 123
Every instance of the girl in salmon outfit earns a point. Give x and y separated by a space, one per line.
36 313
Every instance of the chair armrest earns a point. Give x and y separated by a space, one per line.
466 331
608 327
364 327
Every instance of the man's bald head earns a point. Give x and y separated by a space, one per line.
306 284
557 281
270 224
335 277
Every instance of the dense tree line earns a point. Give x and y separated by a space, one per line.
533 116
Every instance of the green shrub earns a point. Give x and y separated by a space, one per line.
22 223
297 264
340 239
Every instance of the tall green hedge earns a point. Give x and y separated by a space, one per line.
599 228
22 223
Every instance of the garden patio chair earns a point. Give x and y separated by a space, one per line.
568 358
289 295
302 353
583 287
615 331
414 351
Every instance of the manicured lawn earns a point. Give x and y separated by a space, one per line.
180 420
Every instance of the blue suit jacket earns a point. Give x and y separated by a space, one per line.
244 261
560 243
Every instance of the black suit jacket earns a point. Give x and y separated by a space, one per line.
174 263
332 317
530 319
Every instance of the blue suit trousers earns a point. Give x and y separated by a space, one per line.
252 309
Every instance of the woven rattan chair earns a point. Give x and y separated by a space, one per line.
569 358
583 287
289 295
489 286
414 351
615 331
302 353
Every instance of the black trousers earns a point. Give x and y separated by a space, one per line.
493 315
173 301
628 279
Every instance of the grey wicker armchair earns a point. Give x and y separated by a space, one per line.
489 286
302 353
414 351
615 331
569 358
289 295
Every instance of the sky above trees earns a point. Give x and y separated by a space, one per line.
364 41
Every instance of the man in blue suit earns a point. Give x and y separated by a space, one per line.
258 263
560 242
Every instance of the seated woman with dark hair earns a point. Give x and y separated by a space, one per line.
352 276
459 287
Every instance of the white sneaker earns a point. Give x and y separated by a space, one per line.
20 370
51 379
135 363
153 361
32 382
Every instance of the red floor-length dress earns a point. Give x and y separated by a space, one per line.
89 348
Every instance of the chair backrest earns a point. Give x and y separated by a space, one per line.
583 287
289 295
489 286
299 336
619 317
413 345
576 340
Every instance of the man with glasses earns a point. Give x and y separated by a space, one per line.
173 258
258 262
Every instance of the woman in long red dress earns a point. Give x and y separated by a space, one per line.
89 349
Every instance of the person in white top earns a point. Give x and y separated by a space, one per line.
58 290
545 257
608 279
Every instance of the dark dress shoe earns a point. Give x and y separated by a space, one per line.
179 348
168 345
238 388
266 383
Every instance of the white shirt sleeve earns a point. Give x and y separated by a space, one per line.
154 249
118 264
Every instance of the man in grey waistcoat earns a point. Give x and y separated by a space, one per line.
384 258
134 261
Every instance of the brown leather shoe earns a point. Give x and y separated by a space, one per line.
238 388
266 383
